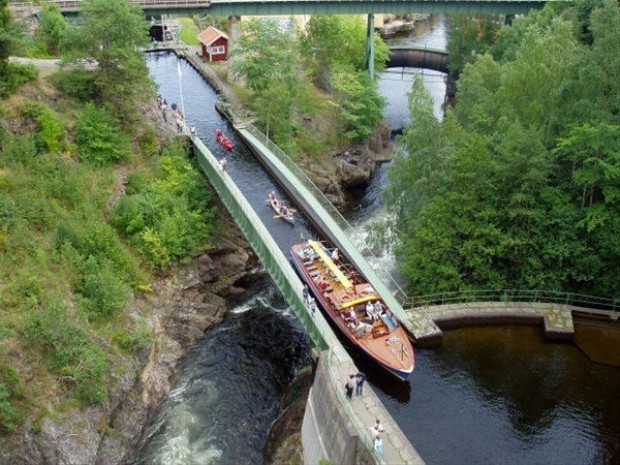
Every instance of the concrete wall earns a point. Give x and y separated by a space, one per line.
327 432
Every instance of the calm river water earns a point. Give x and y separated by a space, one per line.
494 395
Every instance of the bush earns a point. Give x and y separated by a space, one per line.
99 137
18 74
130 341
78 83
136 182
102 291
11 415
70 353
50 130
168 217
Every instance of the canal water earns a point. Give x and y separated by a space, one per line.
498 395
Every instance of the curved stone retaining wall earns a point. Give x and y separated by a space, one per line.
557 319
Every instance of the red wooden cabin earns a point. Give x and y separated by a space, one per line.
214 44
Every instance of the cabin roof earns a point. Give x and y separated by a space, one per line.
210 35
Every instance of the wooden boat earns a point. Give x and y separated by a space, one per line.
282 211
344 295
223 140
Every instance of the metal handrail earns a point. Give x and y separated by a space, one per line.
514 295
68 4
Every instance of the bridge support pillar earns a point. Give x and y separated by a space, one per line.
370 45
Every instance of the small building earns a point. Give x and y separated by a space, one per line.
214 44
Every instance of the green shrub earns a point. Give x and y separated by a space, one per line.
50 131
77 83
167 218
20 150
99 137
11 415
130 341
18 74
103 292
149 143
136 182
70 353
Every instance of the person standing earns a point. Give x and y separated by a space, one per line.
378 446
312 305
360 378
350 386
306 292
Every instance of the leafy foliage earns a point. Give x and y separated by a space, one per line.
76 359
266 53
53 28
359 103
519 186
99 137
51 130
332 41
6 42
112 34
11 415
76 83
167 218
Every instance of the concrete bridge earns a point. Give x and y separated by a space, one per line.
305 7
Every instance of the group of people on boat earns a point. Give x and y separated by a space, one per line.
279 206
221 139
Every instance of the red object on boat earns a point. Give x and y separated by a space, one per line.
223 140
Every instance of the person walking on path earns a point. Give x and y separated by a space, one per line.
192 131
360 378
378 446
312 305
350 386
376 429
306 292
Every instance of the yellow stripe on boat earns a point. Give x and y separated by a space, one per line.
318 248
359 301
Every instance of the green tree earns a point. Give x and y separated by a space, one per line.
53 28
422 151
264 52
111 35
328 41
360 105
6 42
469 37
99 137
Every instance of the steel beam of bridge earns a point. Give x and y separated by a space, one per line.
309 7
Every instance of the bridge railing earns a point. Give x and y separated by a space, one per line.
75 4
514 295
